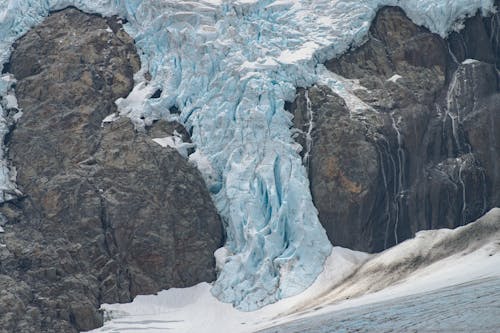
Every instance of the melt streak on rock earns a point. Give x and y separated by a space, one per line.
417 148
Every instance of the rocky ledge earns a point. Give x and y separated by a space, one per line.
106 212
425 153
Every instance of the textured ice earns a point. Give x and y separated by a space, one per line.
7 101
229 67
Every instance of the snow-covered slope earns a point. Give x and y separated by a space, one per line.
445 258
229 66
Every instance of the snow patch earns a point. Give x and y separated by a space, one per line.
470 61
394 78
343 87
110 118
175 141
132 105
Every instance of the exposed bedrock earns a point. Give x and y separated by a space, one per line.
107 213
426 153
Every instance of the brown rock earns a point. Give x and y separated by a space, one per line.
425 156
107 213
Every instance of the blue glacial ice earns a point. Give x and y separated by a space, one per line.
229 67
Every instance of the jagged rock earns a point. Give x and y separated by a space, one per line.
426 154
107 212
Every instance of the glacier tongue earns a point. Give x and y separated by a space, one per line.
229 66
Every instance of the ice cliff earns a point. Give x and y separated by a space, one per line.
229 67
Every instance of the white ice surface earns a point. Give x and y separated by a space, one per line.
110 118
194 309
229 67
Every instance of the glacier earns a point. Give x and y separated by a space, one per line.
229 67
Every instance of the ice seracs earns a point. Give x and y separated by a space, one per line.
229 67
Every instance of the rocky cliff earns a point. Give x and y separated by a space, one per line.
106 213
424 153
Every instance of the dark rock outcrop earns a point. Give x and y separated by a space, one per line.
107 213
426 155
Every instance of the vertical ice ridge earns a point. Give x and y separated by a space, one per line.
229 66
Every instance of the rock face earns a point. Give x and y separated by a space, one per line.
426 153
107 213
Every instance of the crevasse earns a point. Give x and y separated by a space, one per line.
229 66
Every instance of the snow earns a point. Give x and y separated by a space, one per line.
433 259
394 78
469 61
343 87
196 310
469 253
135 101
111 118
229 67
175 142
